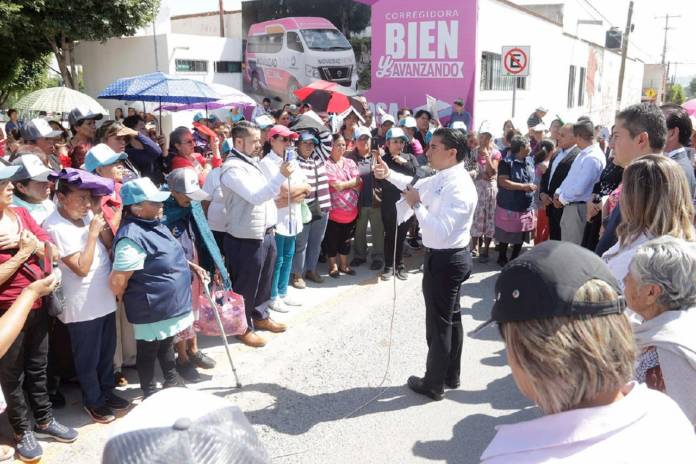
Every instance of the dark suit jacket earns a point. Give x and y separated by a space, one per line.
559 174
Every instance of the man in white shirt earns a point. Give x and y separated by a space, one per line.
444 205
576 189
679 130
250 247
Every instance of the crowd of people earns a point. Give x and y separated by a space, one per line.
136 224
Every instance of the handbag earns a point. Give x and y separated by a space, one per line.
54 302
229 306
305 213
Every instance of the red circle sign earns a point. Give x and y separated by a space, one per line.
515 61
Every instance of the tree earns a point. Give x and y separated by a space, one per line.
55 25
692 87
347 15
675 94
21 76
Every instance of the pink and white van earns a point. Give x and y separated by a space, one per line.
283 55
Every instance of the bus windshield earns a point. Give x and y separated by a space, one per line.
325 39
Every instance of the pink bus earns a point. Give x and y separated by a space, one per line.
283 55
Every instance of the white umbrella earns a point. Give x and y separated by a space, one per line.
59 100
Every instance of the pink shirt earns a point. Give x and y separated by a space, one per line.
344 204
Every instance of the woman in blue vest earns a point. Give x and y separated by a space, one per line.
515 216
152 276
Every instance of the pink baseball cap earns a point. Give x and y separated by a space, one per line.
283 132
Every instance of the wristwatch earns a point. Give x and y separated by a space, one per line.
417 205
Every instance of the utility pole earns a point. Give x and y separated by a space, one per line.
624 51
222 18
667 28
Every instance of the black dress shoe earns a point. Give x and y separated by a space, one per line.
417 385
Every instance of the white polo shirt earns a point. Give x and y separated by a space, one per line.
644 427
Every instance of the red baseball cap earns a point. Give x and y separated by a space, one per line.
283 132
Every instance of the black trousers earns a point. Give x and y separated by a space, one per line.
337 238
389 221
147 353
590 238
443 274
24 368
554 214
251 264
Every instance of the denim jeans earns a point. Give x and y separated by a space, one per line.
281 273
308 246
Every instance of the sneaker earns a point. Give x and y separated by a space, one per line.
101 414
289 301
357 262
298 282
28 449
57 431
176 383
117 403
202 360
277 305
376 265
387 274
401 273
188 371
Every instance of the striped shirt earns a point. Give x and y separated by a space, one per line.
315 171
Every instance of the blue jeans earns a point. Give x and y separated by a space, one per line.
93 346
308 246
283 265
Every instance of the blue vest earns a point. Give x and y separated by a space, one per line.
162 289
521 171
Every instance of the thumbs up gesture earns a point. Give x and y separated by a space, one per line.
381 170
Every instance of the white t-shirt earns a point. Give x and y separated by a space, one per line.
270 165
39 211
86 298
217 214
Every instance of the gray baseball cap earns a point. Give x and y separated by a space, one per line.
30 167
81 114
185 180
38 128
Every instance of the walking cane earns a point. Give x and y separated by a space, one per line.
222 329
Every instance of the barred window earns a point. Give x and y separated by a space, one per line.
571 87
581 89
191 66
228 66
491 78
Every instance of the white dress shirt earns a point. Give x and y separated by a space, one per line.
270 165
249 182
583 175
644 427
557 160
448 202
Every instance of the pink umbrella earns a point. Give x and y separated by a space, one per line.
690 107
231 97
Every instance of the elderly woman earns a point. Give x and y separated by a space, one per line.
483 228
661 288
148 271
655 201
344 188
515 215
182 153
571 352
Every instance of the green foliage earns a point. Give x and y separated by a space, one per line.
675 94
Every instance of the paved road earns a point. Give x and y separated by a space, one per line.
299 389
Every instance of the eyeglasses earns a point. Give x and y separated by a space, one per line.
187 142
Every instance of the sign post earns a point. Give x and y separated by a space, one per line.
515 64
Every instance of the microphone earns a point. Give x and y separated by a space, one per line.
416 178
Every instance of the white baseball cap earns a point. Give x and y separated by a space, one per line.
38 129
30 167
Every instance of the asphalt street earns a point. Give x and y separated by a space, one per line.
306 391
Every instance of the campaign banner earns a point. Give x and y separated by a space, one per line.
422 49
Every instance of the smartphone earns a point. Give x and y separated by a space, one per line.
374 144
290 155
48 258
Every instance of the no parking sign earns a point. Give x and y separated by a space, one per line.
515 61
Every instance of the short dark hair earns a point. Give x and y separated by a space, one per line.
454 138
545 147
517 143
422 112
132 121
402 110
676 116
176 135
243 129
11 111
645 117
337 136
584 129
266 99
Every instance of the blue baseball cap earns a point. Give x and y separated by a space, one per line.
306 136
198 117
102 155
361 131
138 190
396 133
8 172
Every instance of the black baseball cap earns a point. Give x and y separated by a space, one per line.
542 284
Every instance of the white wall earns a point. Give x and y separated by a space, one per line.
209 25
552 53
